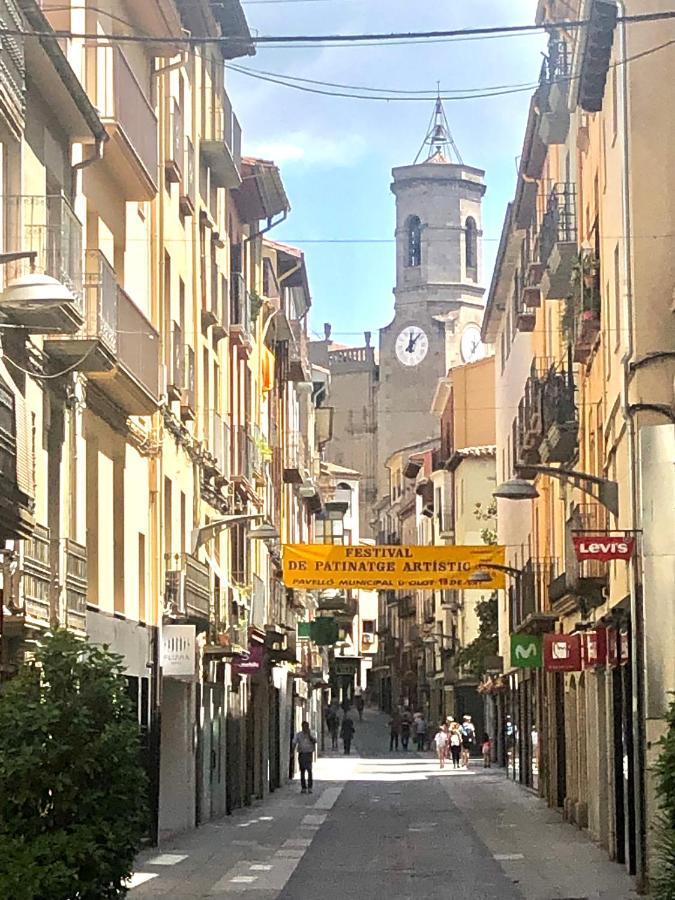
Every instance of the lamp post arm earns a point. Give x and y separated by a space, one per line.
603 490
204 533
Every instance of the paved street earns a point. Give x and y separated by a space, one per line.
392 826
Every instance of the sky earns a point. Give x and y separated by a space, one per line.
336 154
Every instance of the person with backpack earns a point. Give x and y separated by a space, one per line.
455 742
468 739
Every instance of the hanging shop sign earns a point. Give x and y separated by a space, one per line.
324 631
618 646
603 547
594 648
304 631
526 652
624 647
322 566
250 662
177 653
562 652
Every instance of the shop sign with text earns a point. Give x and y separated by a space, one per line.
602 547
323 566
251 662
526 651
562 652
594 648
177 656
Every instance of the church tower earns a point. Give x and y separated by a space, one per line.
438 300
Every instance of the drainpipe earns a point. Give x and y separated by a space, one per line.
96 156
636 599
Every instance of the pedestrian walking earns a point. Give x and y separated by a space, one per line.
406 722
455 743
347 733
468 739
305 743
333 725
394 731
359 706
420 728
441 742
486 747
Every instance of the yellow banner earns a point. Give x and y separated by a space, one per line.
324 566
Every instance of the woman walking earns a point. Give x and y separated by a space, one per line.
455 745
441 742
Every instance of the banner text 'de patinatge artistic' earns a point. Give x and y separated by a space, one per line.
366 567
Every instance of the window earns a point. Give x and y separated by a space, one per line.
329 529
414 229
471 248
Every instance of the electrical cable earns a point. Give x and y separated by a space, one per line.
75 365
300 39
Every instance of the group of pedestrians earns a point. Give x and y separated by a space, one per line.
404 726
342 725
457 740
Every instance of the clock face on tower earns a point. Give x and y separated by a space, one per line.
412 345
471 346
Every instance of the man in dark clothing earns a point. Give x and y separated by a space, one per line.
394 731
347 733
305 743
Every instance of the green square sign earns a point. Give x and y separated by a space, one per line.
526 651
304 631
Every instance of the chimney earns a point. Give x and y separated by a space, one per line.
327 328
367 335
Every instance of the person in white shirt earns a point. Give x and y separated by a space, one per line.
441 742
305 743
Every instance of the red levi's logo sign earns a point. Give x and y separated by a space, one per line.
602 547
562 652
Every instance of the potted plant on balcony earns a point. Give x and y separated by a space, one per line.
581 316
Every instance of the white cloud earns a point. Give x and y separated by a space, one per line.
302 148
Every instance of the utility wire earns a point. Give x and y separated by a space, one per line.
370 37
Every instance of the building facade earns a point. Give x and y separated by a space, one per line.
160 429
580 314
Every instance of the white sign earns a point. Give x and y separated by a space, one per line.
178 651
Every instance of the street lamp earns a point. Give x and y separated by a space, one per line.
204 533
603 490
482 576
264 532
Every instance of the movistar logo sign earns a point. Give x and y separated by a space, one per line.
526 651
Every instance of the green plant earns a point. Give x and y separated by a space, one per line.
488 535
256 305
663 882
585 294
472 658
72 789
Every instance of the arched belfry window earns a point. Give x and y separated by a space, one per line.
414 253
471 249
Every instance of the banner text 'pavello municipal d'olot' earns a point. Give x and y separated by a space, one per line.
325 566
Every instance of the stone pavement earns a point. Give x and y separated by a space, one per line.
386 826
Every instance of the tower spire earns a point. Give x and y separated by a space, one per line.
438 143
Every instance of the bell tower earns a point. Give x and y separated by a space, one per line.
438 298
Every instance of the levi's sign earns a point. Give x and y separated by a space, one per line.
322 566
602 547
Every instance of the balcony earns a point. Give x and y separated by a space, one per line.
75 586
529 427
221 445
298 353
131 123
187 590
407 607
528 597
295 458
581 317
560 423
174 142
246 459
221 144
554 90
187 197
558 242
27 596
16 467
188 403
117 347
583 585
47 226
215 303
176 380
241 330
527 293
